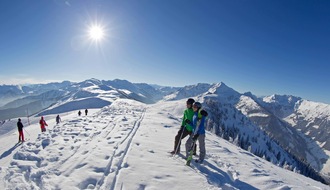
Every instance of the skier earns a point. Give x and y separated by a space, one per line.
185 128
43 124
86 111
197 134
20 131
58 119
79 112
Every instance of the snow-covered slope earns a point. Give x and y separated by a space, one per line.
91 93
9 93
280 131
311 120
243 118
188 91
299 127
125 146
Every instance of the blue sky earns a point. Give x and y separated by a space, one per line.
266 47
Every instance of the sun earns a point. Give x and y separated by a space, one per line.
96 33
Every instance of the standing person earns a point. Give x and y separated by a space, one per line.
185 128
79 112
86 111
20 131
43 124
198 133
58 119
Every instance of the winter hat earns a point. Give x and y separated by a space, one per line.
190 101
19 119
198 105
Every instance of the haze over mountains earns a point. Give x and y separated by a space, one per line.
285 130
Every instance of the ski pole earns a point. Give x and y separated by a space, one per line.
26 132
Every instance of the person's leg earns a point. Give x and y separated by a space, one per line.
195 146
19 136
177 142
189 143
202 151
22 135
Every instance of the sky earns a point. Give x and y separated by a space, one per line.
266 47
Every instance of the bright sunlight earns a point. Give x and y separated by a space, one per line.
96 33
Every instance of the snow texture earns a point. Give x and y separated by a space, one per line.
125 145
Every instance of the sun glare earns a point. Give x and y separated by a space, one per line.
96 33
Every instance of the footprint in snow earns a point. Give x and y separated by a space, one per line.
45 143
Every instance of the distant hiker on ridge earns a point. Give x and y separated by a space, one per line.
58 119
185 128
79 113
20 131
43 124
86 111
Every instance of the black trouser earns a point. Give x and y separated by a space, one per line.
177 143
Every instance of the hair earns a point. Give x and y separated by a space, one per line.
190 101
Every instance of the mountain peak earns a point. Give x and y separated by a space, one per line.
223 90
281 99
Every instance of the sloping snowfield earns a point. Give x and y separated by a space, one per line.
125 146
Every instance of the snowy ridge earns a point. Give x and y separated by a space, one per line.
188 91
45 97
311 121
123 146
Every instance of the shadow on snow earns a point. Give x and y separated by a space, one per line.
8 152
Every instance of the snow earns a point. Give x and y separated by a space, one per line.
316 126
125 146
311 110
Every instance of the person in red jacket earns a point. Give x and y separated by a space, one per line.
43 124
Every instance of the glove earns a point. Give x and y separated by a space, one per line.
187 121
195 137
204 113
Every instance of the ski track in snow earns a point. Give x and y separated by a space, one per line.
28 171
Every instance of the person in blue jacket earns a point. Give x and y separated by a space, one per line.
198 124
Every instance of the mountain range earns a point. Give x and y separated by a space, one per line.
286 130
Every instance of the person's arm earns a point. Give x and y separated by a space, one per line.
183 123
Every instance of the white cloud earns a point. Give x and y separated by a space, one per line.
14 80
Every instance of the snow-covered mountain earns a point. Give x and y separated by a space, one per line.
9 93
311 121
285 130
125 146
243 118
92 93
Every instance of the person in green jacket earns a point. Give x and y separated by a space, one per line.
185 128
